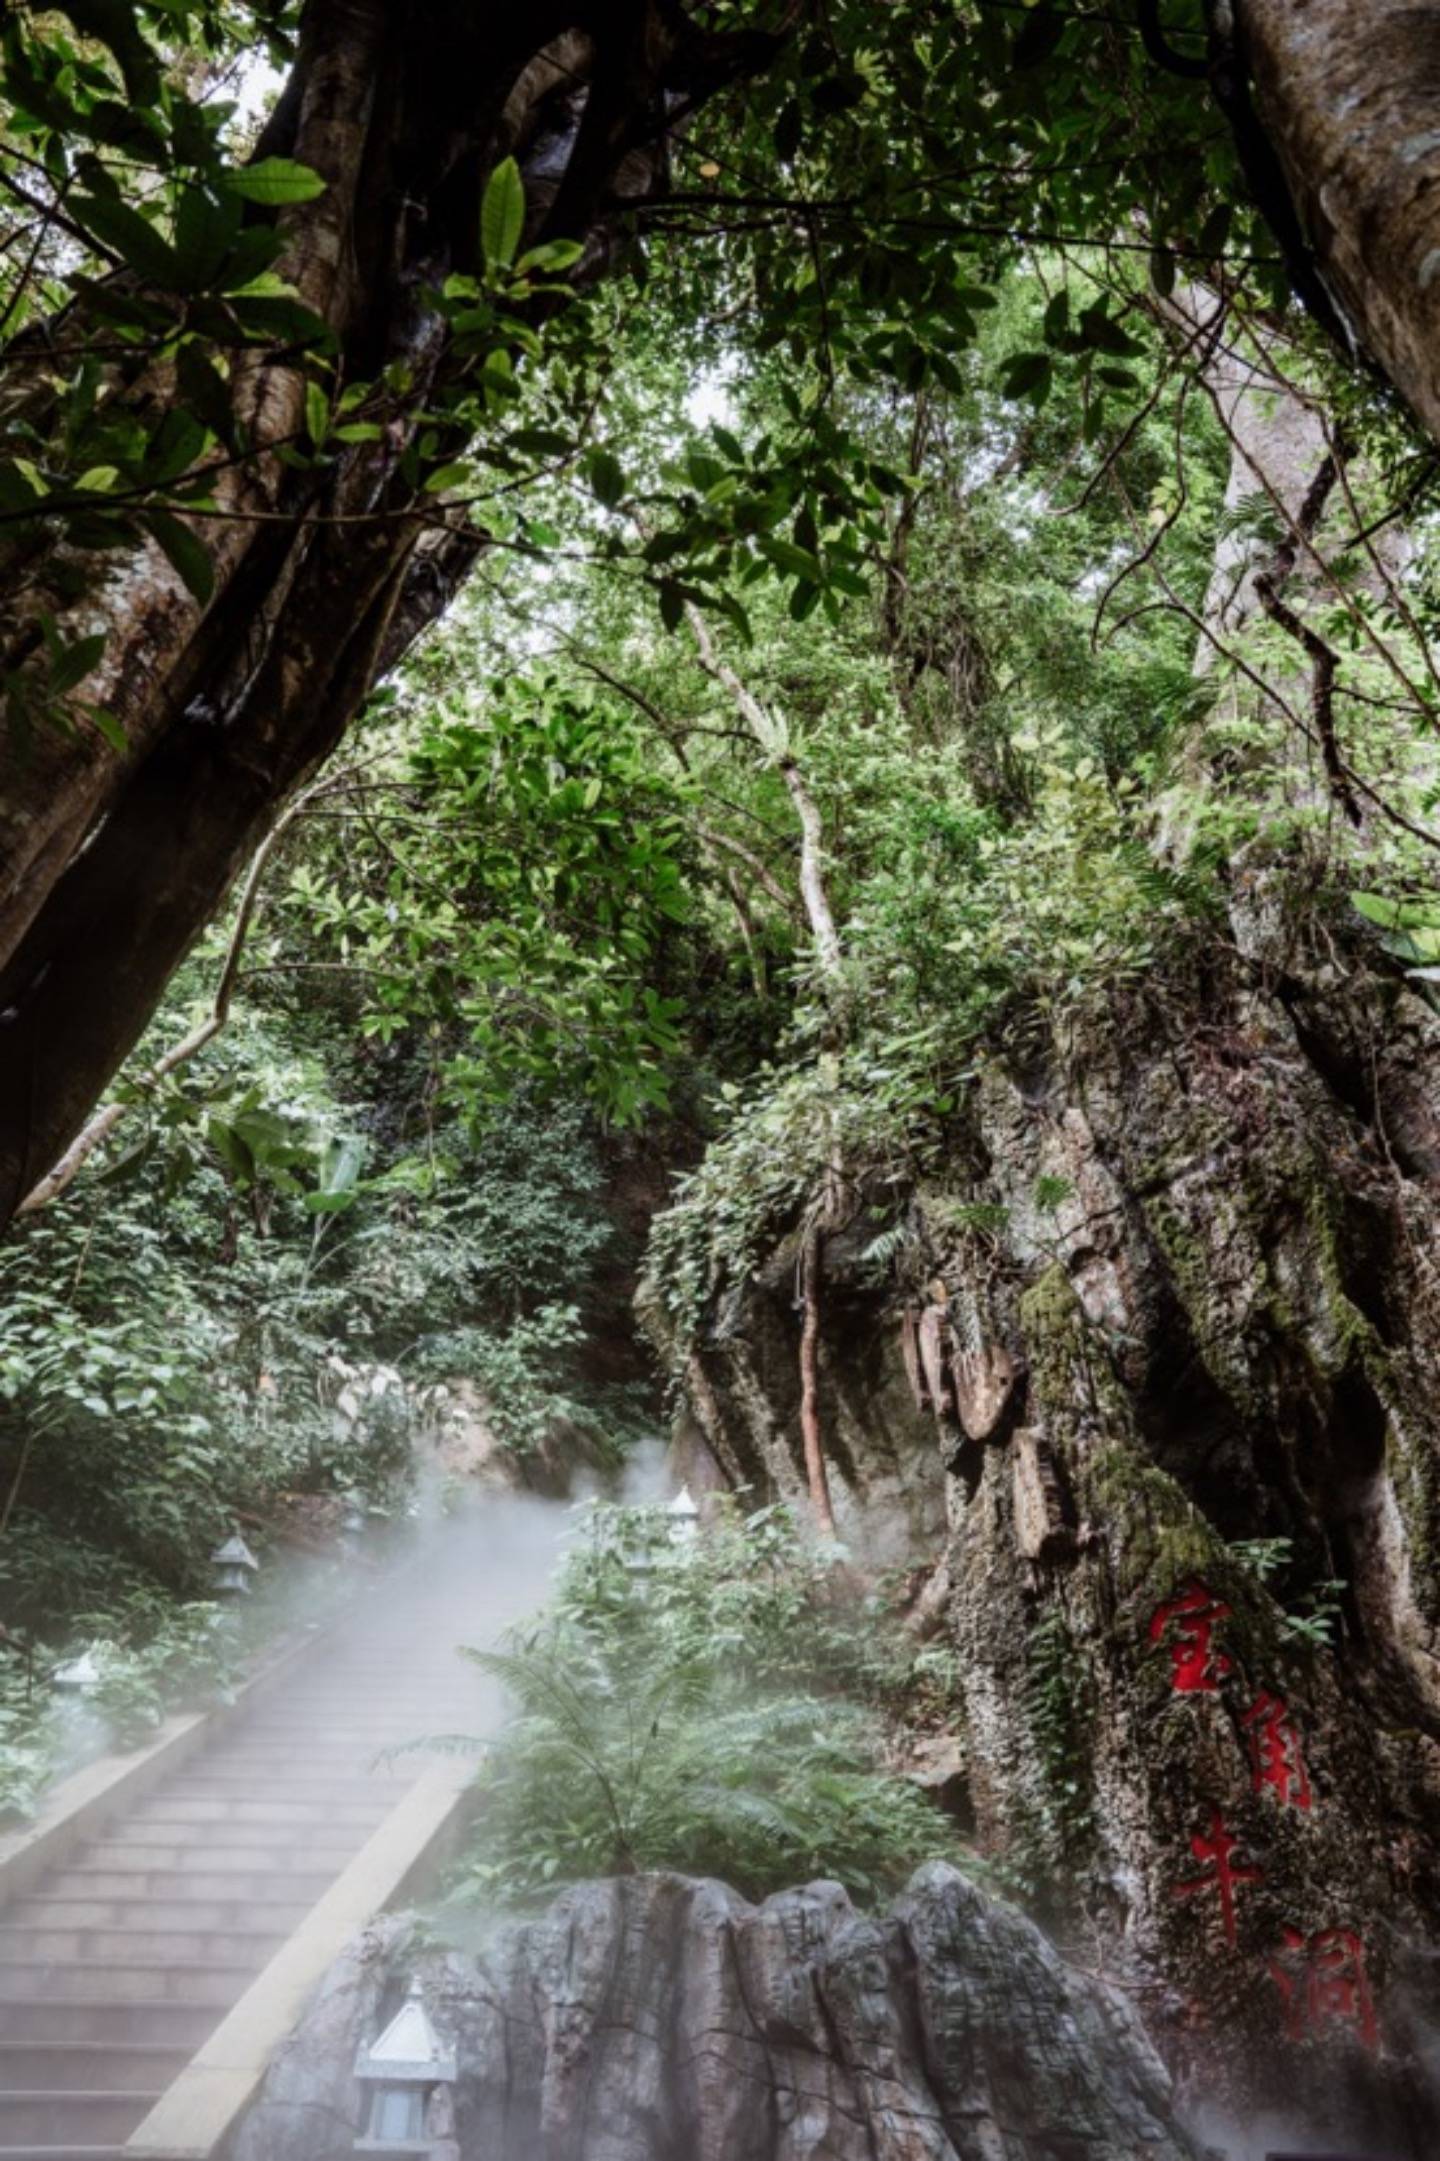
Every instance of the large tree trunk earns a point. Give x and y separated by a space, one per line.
1347 96
111 862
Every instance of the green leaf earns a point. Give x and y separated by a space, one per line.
231 1149
255 250
446 476
273 181
1102 334
1397 914
797 562
502 213
206 392
1056 323
606 476
1028 375
187 553
113 23
206 228
122 231
553 255
317 414
106 725
173 447
75 663
286 319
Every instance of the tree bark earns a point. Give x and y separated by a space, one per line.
1348 102
111 862
813 889
97 1130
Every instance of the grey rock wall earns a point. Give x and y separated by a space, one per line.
660 2018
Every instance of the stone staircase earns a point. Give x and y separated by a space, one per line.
123 1958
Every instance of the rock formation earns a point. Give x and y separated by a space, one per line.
659 2018
1192 1577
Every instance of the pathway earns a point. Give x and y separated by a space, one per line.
127 1955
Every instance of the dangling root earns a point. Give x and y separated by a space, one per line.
817 1478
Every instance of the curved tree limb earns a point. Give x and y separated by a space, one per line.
813 889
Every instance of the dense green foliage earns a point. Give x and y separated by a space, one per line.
877 479
220 1326
532 906
712 1707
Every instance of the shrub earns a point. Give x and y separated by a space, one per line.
712 1708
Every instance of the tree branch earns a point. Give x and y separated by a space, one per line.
813 891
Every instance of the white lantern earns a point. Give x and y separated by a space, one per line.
231 1567
400 2076
79 1675
684 1515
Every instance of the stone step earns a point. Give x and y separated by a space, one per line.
131 2067
55 1947
261 1879
365 1741
83 2118
333 1766
188 1845
383 1732
213 1982
105 2022
379 1718
205 1810
360 1784
61 2153
247 1916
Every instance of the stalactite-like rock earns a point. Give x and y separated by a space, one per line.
658 2018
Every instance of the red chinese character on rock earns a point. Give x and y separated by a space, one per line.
1222 1874
1188 1620
1322 1983
1276 1757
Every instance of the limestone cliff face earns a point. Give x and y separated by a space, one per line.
658 2018
1180 1295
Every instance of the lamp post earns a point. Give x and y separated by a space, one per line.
684 1518
402 2077
231 1567
78 1675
